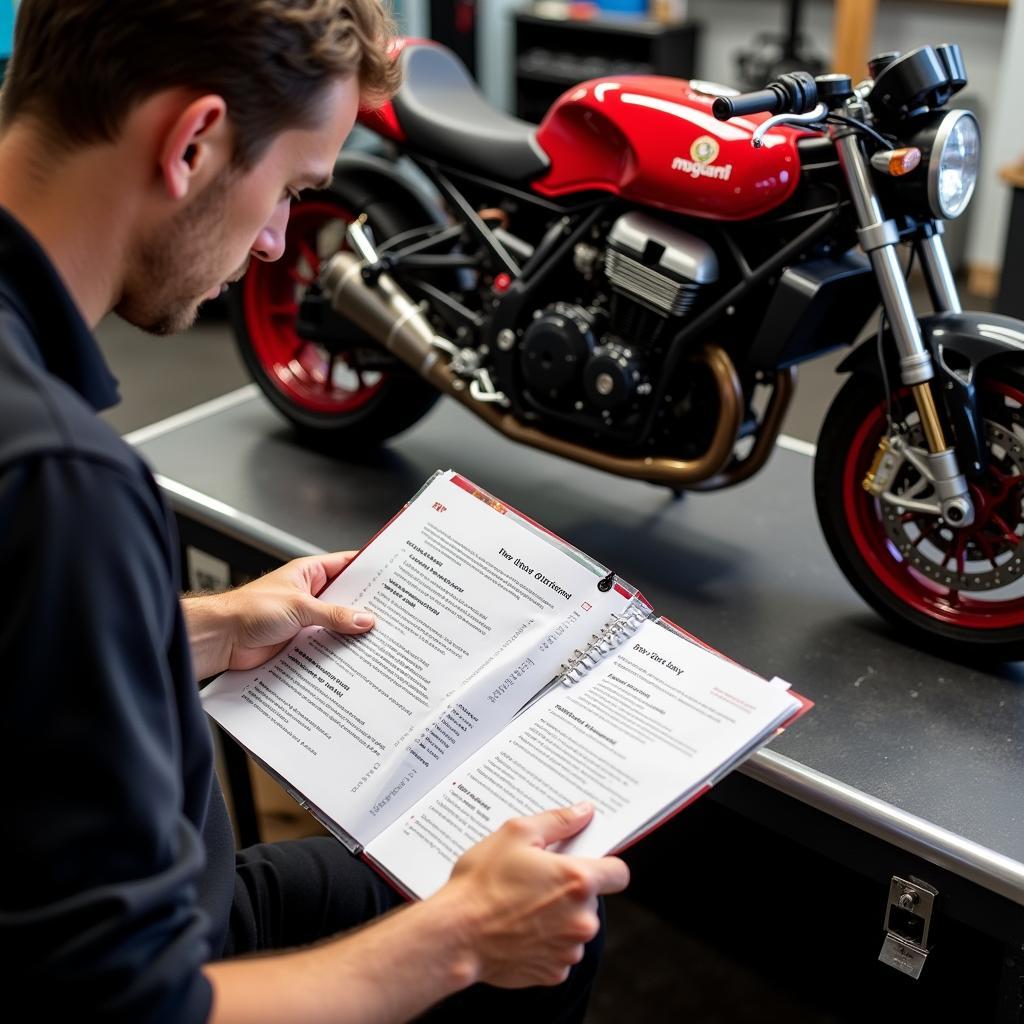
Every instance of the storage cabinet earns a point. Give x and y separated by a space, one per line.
552 55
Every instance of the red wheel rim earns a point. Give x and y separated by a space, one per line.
945 604
303 371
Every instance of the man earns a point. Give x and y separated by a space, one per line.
147 148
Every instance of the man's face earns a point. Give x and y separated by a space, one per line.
242 213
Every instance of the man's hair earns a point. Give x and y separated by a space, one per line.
80 66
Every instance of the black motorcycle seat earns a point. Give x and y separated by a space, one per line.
443 113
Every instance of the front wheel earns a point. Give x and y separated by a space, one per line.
331 392
962 588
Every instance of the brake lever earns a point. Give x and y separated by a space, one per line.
804 120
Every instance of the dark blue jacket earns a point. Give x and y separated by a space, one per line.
115 835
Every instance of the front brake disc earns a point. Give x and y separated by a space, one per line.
989 559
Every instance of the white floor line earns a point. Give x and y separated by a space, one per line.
197 412
794 444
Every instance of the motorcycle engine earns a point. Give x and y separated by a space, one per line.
593 361
658 265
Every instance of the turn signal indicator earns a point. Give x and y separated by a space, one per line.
896 162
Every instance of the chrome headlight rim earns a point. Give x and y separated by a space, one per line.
942 135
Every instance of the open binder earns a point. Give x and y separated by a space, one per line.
508 672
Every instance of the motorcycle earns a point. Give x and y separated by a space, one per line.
632 284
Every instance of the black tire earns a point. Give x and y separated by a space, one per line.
896 562
368 416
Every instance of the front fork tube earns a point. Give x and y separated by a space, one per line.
879 238
937 272
960 403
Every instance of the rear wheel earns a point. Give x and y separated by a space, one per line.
961 587
335 389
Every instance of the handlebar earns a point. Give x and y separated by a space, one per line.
792 94
764 101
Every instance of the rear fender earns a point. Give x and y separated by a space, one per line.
365 179
959 344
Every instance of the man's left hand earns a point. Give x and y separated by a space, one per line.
243 628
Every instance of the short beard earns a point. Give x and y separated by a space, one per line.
175 266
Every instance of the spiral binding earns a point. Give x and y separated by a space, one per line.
618 629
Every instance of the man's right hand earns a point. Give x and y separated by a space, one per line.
527 912
513 914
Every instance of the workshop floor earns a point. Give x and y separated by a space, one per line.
654 970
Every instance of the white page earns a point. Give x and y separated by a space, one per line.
656 720
462 641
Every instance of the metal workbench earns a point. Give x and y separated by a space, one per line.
906 757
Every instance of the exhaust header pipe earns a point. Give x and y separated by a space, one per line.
387 313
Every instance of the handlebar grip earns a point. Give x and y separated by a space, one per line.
764 101
795 93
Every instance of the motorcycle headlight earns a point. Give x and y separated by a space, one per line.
954 164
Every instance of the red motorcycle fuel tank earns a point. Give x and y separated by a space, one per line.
654 140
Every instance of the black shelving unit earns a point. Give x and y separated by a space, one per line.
551 55
453 24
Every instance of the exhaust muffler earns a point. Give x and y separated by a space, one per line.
384 310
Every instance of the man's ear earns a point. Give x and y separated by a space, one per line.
194 145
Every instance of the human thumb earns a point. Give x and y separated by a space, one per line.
562 822
335 616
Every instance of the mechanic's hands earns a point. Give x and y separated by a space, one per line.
243 628
528 911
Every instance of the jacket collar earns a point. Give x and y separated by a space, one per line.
31 287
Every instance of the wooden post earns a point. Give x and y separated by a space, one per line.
855 22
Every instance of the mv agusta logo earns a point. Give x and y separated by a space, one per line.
702 164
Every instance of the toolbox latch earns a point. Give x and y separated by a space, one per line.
908 918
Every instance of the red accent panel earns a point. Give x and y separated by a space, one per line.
468 486
805 705
465 16
382 120
654 140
